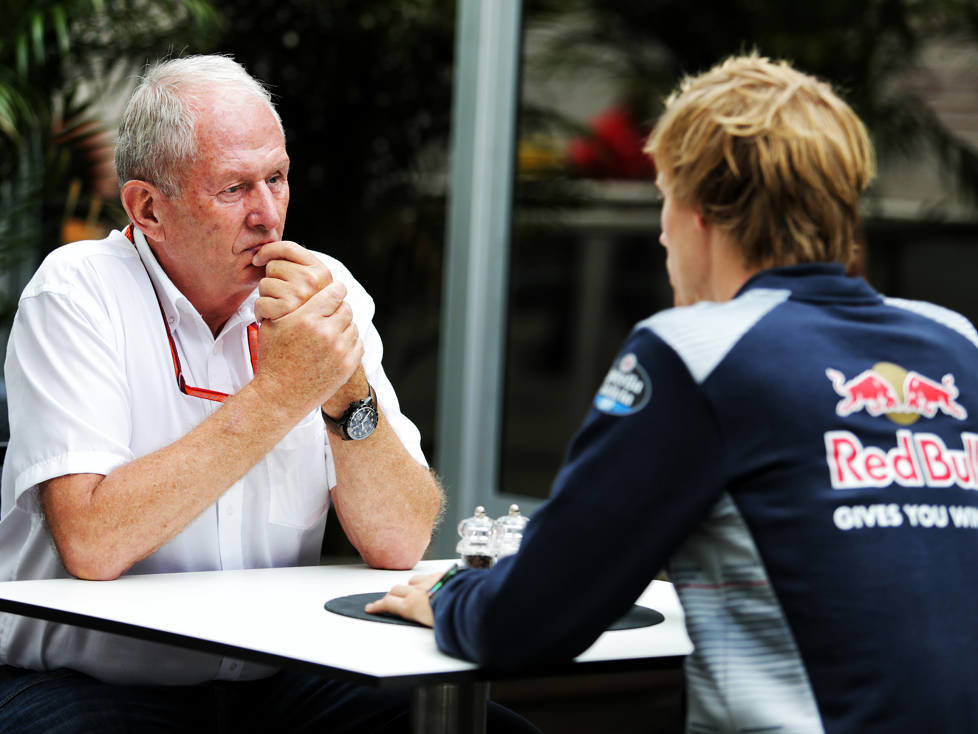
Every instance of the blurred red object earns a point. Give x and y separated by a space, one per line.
613 150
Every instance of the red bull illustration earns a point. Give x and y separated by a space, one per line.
924 396
902 395
867 390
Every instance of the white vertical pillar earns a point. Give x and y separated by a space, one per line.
474 291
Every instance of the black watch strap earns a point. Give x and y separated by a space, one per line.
358 421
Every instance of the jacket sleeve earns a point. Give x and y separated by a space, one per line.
635 482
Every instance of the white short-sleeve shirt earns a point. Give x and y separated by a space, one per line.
91 386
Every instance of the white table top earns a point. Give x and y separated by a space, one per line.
277 616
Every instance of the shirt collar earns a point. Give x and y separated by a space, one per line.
815 282
173 302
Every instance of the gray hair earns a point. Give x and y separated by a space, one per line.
157 133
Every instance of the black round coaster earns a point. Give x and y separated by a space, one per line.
352 606
637 616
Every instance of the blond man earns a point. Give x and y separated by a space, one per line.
798 451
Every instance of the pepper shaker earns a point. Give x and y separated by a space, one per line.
475 546
507 532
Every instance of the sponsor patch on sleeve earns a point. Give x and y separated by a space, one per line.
626 388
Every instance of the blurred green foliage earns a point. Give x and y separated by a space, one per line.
58 60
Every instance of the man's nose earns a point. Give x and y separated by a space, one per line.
264 212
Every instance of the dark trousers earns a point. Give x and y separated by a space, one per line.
66 702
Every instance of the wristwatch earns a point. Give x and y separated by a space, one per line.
359 420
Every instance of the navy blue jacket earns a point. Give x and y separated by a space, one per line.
802 459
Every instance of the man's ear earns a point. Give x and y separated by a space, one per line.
142 202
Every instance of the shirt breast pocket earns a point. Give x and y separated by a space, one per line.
297 475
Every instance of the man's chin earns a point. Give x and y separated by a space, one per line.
253 274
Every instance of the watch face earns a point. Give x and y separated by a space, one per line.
362 422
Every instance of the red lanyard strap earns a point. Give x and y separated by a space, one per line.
199 392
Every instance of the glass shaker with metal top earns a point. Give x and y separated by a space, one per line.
507 532
475 547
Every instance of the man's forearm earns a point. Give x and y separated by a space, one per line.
387 503
103 525
389 520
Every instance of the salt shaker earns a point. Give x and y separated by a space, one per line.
507 532
475 546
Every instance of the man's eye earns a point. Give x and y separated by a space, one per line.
232 189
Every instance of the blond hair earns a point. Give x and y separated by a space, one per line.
771 156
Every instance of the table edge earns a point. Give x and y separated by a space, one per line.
568 668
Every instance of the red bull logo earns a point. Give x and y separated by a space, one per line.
902 395
926 397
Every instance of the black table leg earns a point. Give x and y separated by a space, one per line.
449 707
